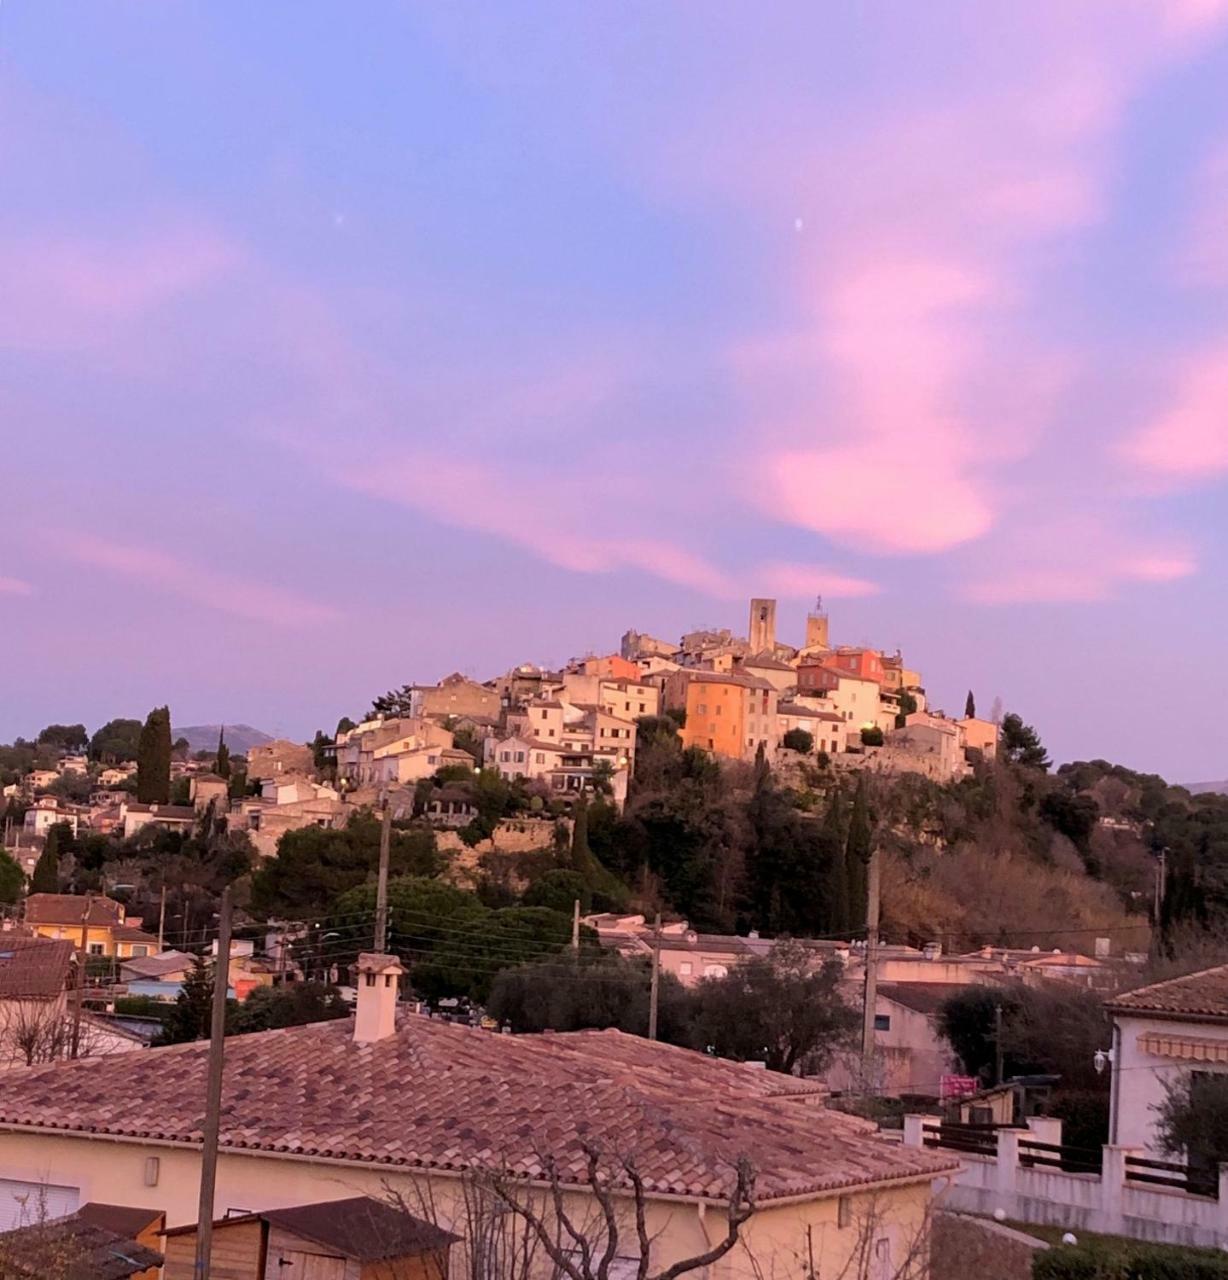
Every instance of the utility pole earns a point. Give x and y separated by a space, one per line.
213 1092
381 885
161 917
79 985
871 992
998 1055
655 991
575 928
1161 885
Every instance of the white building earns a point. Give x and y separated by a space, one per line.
1160 1034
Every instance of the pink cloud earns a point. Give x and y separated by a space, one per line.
1076 560
15 587
1190 438
213 589
63 291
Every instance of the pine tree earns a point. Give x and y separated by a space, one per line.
837 894
153 758
970 707
190 1017
46 877
222 768
857 855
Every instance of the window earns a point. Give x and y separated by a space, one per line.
140 949
520 757
95 948
505 756
715 971
540 758
882 1022
431 759
550 733
641 708
844 1212
686 968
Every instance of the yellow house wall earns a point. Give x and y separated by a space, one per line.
774 1246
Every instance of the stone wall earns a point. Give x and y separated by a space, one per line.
967 1248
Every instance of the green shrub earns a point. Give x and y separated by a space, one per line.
1120 1259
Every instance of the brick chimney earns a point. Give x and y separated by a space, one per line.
377 997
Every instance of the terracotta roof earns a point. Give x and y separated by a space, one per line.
360 1228
1195 996
921 997
70 908
120 1219
89 1252
33 968
441 1096
132 933
157 966
171 812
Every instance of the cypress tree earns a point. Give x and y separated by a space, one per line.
857 855
153 758
836 915
970 707
46 877
581 854
222 768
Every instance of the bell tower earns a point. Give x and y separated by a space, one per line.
816 627
762 631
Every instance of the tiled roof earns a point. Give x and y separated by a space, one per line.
359 1228
70 908
132 933
440 1096
157 966
33 968
90 1252
921 997
1195 996
119 1218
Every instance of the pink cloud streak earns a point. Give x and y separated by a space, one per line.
15 587
227 593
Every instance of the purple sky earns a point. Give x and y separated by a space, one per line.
344 346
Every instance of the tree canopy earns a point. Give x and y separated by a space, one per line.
117 742
153 759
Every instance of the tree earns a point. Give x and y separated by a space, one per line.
970 707
598 989
512 1231
396 702
1073 815
221 765
785 1009
315 865
465 962
1021 744
799 740
559 889
12 879
238 783
421 913
190 1017
320 746
46 877
344 725
1192 1120
64 737
858 851
116 742
153 761
293 1005
908 705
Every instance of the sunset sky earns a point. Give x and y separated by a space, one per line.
345 345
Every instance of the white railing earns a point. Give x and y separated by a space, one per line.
1016 1175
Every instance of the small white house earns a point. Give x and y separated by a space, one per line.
1160 1033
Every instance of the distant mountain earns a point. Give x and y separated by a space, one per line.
239 737
1204 788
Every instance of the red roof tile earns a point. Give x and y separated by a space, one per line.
440 1096
1195 996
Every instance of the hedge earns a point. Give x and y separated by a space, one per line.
1128 1260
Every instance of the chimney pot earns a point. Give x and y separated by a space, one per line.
376 1015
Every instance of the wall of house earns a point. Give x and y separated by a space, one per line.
715 719
1139 1077
777 1241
